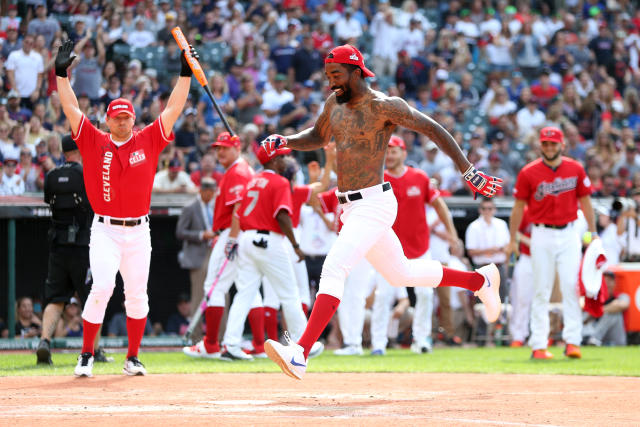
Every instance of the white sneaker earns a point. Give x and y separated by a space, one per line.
84 366
316 349
233 352
133 366
289 357
489 294
199 350
421 347
350 350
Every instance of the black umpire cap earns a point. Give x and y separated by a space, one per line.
68 144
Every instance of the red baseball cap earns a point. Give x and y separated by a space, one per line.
263 157
347 54
226 140
120 105
552 134
396 141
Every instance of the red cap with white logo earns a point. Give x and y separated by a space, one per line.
552 134
347 54
226 140
396 141
120 105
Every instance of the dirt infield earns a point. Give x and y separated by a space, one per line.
334 399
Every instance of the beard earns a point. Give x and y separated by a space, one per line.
345 97
554 157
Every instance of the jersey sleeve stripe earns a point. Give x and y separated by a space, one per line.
162 130
75 137
435 195
285 207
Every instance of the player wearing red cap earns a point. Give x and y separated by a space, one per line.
265 219
119 168
552 187
223 262
413 191
361 121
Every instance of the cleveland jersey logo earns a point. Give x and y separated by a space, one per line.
413 191
106 175
137 157
555 187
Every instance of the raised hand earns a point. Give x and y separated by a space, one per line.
64 58
186 71
481 183
271 143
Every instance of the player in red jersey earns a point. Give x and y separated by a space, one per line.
552 187
413 190
223 263
265 219
119 168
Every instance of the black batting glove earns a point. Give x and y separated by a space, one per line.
64 58
186 69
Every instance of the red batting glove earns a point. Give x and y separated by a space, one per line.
481 183
271 143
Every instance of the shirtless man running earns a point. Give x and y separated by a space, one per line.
361 121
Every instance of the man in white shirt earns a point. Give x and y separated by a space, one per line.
274 99
24 71
10 182
487 237
413 41
348 29
529 118
385 42
141 37
173 180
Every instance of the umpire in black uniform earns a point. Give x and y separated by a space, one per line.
68 269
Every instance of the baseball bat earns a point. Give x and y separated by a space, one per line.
203 304
198 73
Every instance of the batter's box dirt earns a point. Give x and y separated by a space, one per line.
325 399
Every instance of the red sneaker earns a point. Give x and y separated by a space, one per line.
572 351
516 344
542 354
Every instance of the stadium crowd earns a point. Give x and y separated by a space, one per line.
491 72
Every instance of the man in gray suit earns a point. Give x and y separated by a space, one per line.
194 228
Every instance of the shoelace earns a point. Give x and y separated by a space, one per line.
134 360
85 359
287 338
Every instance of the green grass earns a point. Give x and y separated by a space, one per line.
619 361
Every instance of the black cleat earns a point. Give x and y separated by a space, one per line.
44 353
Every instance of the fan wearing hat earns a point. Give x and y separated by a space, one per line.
223 262
11 184
69 232
173 179
265 220
553 187
361 121
119 170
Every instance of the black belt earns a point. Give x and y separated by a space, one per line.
554 226
124 222
357 195
263 231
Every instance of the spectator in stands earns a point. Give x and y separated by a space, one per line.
34 131
28 170
87 71
295 112
6 144
526 49
543 91
28 325
173 179
274 99
609 186
602 46
70 324
178 322
414 39
220 90
468 96
47 26
12 19
529 118
249 100
141 37
629 161
186 135
347 28
605 151
11 184
13 42
411 73
608 329
211 29
387 41
115 32
207 169
307 62
25 70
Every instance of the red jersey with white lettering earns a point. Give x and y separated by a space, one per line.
232 186
412 190
552 195
525 228
119 179
329 203
299 196
267 193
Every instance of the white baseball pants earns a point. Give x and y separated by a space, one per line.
367 233
255 263
521 294
113 248
552 251
351 311
270 298
226 279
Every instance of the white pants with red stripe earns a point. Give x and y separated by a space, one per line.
367 233
227 276
254 264
521 294
555 251
113 248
